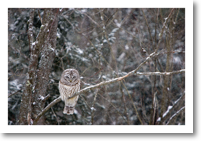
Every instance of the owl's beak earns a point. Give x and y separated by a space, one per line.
70 80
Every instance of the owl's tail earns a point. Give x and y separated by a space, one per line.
68 110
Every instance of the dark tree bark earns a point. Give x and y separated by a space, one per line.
39 68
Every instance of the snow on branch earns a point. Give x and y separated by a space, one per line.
160 73
175 115
170 109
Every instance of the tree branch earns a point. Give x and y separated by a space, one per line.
101 84
120 78
25 108
46 109
167 114
175 115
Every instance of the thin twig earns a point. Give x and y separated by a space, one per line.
91 19
109 22
28 87
175 115
55 115
147 27
123 117
93 109
124 101
133 104
46 109
15 93
40 17
170 109
46 97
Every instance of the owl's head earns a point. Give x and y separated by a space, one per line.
70 77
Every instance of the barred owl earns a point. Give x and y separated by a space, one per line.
68 85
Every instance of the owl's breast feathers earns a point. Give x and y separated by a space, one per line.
68 91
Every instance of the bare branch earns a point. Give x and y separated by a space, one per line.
25 111
91 19
30 33
147 26
46 109
95 86
46 97
174 115
101 84
133 105
14 93
160 73
120 78
124 102
170 109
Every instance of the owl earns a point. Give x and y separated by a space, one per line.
69 84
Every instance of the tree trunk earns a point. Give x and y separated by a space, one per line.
39 69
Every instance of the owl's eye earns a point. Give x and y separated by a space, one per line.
67 77
74 77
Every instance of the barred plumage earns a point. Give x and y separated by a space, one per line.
68 85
